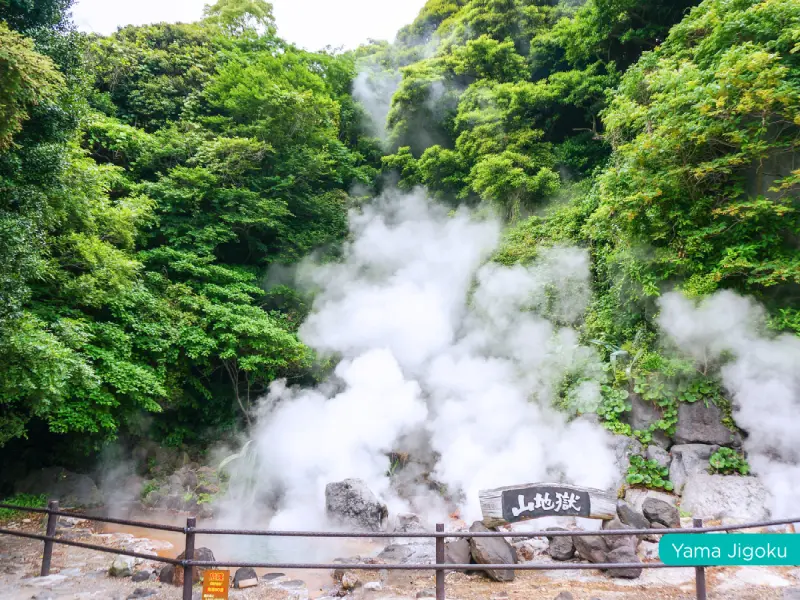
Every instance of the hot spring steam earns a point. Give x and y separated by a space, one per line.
445 356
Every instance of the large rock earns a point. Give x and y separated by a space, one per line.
492 551
122 566
244 574
636 497
591 547
561 547
611 549
688 460
658 454
658 511
70 489
701 424
630 516
614 542
624 555
351 502
203 554
624 448
720 496
643 414
457 552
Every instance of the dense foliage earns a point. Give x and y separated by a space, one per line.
149 179
659 136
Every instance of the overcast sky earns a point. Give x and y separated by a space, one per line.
312 24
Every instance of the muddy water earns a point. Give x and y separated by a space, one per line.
248 548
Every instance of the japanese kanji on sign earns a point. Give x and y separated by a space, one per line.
215 585
532 501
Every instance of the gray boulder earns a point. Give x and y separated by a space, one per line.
122 566
624 555
492 551
658 511
701 424
720 496
72 490
688 460
243 574
628 515
643 414
611 549
624 448
636 497
658 454
565 596
561 547
614 542
408 523
351 502
458 552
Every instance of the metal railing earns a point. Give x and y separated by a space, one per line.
440 566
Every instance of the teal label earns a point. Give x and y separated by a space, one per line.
757 549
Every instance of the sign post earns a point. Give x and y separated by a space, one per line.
535 500
215 585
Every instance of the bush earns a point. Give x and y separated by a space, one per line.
26 500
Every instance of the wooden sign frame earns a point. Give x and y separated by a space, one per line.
517 503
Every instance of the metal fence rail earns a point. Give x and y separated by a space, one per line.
439 566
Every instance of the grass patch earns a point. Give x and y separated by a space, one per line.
26 500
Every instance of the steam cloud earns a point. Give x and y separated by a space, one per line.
762 374
442 355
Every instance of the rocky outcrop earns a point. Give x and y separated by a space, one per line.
457 552
699 423
658 454
244 577
189 489
720 496
492 551
352 503
72 490
644 414
689 460
176 575
628 515
658 511
122 566
611 549
561 547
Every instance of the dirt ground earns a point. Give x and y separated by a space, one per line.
79 574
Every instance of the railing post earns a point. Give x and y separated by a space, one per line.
52 521
700 572
188 570
440 561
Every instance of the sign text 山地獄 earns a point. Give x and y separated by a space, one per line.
544 501
534 500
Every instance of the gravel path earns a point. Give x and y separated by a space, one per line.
80 574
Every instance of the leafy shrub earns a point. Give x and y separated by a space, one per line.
648 473
22 500
726 461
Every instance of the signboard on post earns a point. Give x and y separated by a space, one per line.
535 500
215 585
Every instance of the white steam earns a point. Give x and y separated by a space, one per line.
762 374
442 355
374 88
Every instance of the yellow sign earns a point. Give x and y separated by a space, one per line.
215 585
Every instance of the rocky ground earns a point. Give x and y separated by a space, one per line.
84 574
